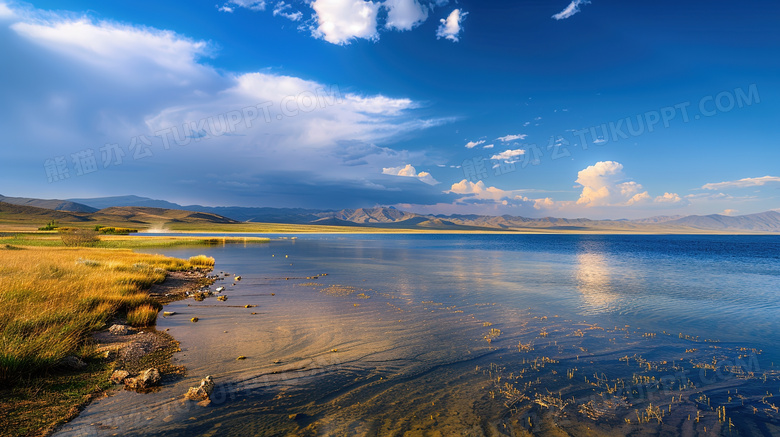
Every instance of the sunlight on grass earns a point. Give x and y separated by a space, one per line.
143 315
201 261
53 297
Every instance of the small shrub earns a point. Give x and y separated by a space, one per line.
202 261
115 231
52 225
78 237
144 315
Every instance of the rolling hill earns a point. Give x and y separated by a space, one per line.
137 217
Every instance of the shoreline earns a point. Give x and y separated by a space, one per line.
145 348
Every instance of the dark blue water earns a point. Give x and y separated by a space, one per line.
479 334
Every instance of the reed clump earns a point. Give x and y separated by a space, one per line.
201 261
143 315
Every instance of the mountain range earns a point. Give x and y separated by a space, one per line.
135 209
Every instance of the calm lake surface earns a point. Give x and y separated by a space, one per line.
473 335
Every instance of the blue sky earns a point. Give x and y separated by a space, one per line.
600 109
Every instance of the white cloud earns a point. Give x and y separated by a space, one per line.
741 183
152 55
410 172
489 146
450 27
669 198
473 144
730 212
284 10
508 138
604 184
5 11
508 155
340 21
573 8
254 5
404 14
120 81
479 191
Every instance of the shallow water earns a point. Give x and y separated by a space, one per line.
474 335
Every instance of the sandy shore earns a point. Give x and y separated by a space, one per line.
145 347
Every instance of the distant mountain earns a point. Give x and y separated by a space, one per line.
107 202
53 204
392 218
658 219
768 221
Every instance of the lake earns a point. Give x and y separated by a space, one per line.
473 335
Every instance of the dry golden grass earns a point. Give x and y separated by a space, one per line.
144 315
52 297
202 261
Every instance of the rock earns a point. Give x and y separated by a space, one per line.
222 298
119 376
71 362
220 289
201 392
241 357
120 329
238 278
168 313
148 378
194 319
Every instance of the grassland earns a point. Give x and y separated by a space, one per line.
52 239
51 301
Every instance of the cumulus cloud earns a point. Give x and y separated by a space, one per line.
341 21
741 183
479 191
410 172
730 212
404 14
128 85
450 27
508 138
669 198
473 144
573 8
508 155
605 184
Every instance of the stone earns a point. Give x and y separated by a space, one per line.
150 377
201 392
120 329
147 379
119 376
71 362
